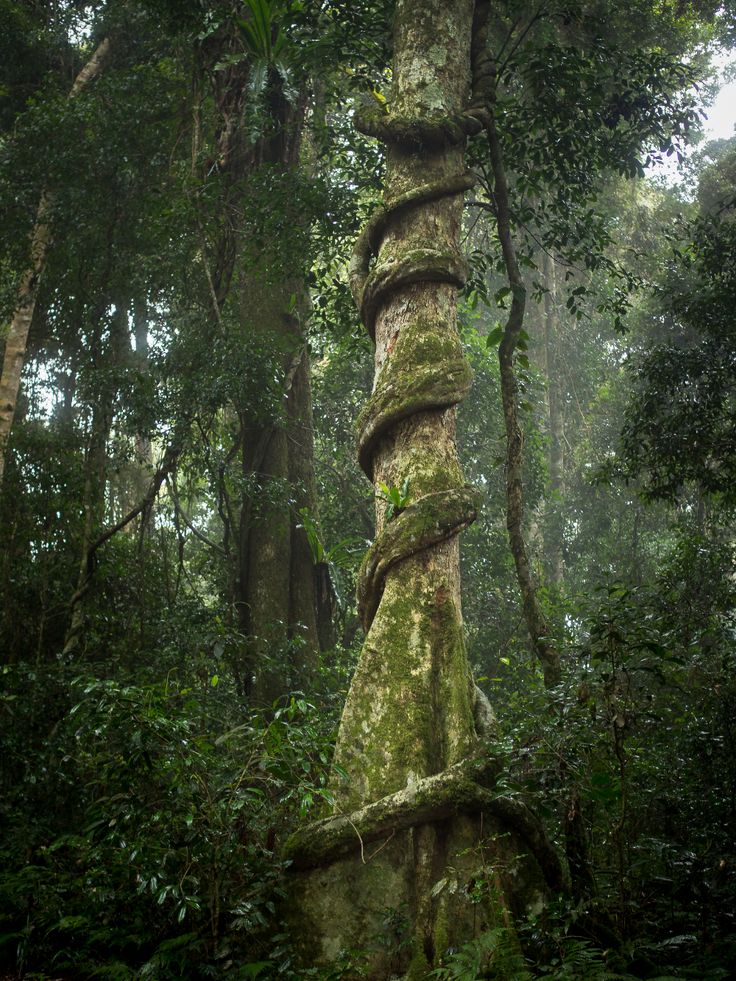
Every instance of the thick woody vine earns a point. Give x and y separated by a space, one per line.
426 371
536 622
426 386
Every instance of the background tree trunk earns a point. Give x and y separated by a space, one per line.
95 473
143 456
554 532
271 584
276 586
17 339
276 583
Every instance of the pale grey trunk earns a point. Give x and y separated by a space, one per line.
16 340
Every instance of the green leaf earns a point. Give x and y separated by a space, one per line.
253 969
495 337
259 33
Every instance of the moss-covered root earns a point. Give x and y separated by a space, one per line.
463 787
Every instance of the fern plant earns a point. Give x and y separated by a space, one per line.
397 498
495 954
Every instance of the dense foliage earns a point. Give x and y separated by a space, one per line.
204 195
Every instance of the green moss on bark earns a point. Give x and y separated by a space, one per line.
432 519
441 932
409 713
410 710
419 966
422 264
426 370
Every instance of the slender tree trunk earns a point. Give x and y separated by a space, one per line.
537 626
143 456
20 325
94 502
17 338
408 726
132 482
95 475
554 532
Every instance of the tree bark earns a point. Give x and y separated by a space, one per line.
276 584
17 338
409 717
429 725
307 581
273 584
143 457
94 503
95 475
263 553
537 626
554 532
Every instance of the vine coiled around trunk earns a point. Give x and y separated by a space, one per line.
464 788
370 287
426 371
411 735
433 519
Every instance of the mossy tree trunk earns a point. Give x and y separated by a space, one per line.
276 582
413 687
425 833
